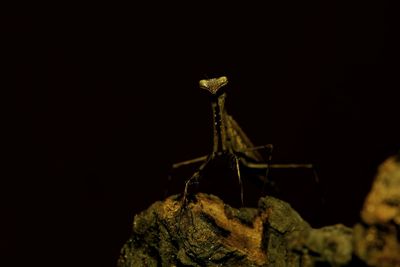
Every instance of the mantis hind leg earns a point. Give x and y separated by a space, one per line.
188 183
175 166
237 166
263 165
194 178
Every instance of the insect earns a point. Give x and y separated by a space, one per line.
230 143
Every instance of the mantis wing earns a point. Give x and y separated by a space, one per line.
239 140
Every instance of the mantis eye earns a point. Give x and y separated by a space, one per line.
222 80
203 84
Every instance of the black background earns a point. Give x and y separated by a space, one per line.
102 103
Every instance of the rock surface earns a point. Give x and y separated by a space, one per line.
377 237
331 245
208 232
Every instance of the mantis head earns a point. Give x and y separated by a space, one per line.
213 85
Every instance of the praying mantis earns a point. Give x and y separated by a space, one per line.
230 142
